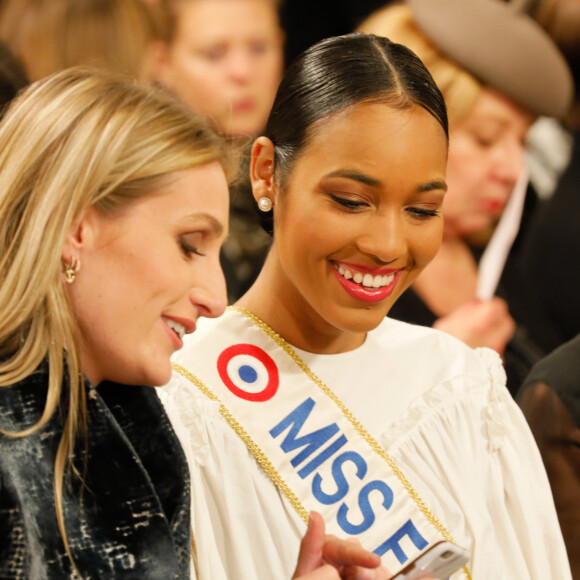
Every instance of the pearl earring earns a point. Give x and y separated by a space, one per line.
265 204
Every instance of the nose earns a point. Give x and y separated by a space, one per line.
384 238
208 295
240 65
510 161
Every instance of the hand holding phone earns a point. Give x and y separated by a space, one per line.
439 561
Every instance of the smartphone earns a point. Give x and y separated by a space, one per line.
439 561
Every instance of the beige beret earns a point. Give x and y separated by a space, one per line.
502 47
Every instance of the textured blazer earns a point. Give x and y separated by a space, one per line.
131 517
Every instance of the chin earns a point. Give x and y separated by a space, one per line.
244 130
156 377
363 319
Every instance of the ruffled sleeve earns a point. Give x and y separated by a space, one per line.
492 488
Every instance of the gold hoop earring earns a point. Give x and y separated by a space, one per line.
70 270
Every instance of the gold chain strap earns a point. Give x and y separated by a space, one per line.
252 446
429 515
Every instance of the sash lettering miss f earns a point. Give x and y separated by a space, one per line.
326 447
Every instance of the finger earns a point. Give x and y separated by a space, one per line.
311 546
342 552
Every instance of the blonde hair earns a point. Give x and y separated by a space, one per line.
459 88
78 139
51 35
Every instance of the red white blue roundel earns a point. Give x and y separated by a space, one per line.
248 372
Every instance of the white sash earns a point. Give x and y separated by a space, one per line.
307 441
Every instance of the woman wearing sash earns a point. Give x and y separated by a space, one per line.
305 396
113 208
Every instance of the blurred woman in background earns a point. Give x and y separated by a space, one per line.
493 90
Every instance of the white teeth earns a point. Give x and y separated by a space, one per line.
367 280
178 328
343 272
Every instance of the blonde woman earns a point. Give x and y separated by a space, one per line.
109 192
113 207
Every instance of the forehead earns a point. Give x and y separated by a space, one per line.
493 107
389 144
190 194
207 20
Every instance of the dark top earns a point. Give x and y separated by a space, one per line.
550 400
130 520
545 277
561 371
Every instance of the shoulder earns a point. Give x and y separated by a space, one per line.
558 368
436 351
553 379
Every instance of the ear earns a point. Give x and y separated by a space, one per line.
262 169
162 63
80 235
155 62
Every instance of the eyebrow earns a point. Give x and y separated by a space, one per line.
213 223
356 176
432 186
373 182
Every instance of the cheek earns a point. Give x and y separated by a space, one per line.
426 245
466 171
269 78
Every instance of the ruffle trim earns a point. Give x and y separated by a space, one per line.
461 390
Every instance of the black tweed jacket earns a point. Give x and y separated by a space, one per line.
130 519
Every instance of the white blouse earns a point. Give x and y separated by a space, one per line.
442 412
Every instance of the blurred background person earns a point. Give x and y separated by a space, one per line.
493 90
224 58
52 35
544 278
543 291
550 401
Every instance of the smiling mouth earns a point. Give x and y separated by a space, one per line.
179 329
365 280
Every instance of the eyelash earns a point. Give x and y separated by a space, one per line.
423 214
348 203
416 212
188 249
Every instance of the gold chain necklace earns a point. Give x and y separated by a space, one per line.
373 443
